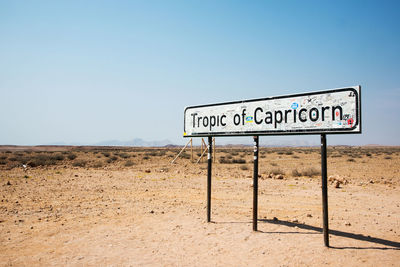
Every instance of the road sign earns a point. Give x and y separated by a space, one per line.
329 111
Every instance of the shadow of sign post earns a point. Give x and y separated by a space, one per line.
335 111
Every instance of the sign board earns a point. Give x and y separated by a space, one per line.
329 111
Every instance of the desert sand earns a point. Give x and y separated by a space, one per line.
132 207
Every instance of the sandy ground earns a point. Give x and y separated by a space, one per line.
154 213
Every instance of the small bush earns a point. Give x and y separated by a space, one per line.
3 157
310 172
129 163
23 160
98 164
153 154
296 173
185 155
244 167
106 154
351 160
114 158
289 153
387 157
3 162
79 163
223 160
239 161
58 157
145 158
42 160
71 156
276 171
124 155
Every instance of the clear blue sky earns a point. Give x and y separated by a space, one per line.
89 71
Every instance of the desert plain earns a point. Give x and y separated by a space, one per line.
127 206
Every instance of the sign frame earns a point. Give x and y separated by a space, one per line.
324 183
354 89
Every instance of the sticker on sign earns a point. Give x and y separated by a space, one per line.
329 111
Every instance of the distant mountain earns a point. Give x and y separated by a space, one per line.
270 143
135 142
138 142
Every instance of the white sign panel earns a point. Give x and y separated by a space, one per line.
330 111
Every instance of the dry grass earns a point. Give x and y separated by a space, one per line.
294 162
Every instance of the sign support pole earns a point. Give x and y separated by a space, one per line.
255 184
209 163
324 190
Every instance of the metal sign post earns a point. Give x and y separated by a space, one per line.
209 165
324 190
255 184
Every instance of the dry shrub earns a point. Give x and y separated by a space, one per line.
185 155
98 164
57 157
239 161
124 155
71 156
276 171
154 154
79 163
296 173
42 160
223 160
244 167
129 163
310 172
